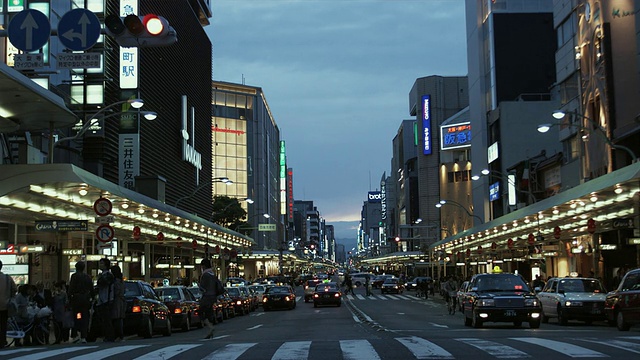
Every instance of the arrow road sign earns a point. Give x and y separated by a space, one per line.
29 30
79 29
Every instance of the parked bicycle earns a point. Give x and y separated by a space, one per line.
42 329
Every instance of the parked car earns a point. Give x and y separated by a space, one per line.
235 281
622 306
182 305
145 313
392 285
279 297
253 299
327 294
241 303
572 299
412 285
226 306
461 296
309 288
197 294
258 291
377 281
500 298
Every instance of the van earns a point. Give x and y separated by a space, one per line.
358 279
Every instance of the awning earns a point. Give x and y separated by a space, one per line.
52 191
27 106
569 210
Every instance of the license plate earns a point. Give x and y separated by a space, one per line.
326 296
509 313
596 311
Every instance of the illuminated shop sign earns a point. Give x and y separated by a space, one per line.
375 196
426 123
455 136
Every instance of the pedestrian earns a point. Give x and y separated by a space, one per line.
8 290
43 296
119 303
367 285
106 295
59 305
80 295
22 314
348 283
211 288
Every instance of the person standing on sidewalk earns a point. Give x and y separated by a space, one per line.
80 294
119 303
106 294
8 290
211 288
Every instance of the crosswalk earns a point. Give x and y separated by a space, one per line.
405 347
383 297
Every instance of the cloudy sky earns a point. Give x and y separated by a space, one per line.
337 75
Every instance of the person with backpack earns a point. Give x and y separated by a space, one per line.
211 287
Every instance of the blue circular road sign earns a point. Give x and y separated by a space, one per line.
79 29
29 30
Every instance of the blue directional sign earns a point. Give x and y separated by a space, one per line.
79 29
29 30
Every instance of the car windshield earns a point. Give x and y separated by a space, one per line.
580 285
326 287
391 281
501 283
233 291
278 290
131 289
258 288
168 294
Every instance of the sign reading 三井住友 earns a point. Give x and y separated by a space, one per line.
455 136
426 123
266 227
61 225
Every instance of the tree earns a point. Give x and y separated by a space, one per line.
228 212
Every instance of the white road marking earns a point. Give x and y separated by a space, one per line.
624 345
358 350
294 350
563 348
381 297
404 297
167 352
439 325
215 338
254 327
52 353
16 351
495 349
105 353
424 349
230 352
360 297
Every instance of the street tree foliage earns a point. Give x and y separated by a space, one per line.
228 212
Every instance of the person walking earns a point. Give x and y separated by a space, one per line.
106 294
59 307
8 290
367 285
211 288
348 283
119 303
80 295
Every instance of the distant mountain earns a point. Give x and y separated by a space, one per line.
346 233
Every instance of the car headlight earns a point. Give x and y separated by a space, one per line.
486 302
569 303
530 302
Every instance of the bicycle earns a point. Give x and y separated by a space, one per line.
452 303
44 330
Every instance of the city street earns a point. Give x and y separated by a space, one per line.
378 327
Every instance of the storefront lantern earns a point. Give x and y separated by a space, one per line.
556 232
194 244
136 232
160 236
217 249
531 239
494 245
179 242
479 251
468 252
591 226
510 243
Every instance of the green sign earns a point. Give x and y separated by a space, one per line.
266 227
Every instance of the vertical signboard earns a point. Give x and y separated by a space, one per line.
426 124
283 178
129 145
290 201
129 60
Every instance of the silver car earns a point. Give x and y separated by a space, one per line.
570 298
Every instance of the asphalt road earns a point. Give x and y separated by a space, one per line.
378 327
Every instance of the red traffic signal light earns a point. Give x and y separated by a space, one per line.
134 31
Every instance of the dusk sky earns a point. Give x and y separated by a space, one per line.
336 75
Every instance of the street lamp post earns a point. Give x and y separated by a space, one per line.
214 180
451 202
559 114
511 181
135 103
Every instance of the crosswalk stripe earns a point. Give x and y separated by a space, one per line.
293 350
52 353
493 348
167 352
360 297
393 297
230 352
381 297
105 353
350 297
404 297
413 297
624 345
424 349
563 348
15 351
358 350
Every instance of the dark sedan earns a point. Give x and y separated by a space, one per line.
500 298
392 286
241 303
327 294
279 297
145 314
183 306
622 306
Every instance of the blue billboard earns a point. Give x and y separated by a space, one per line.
494 191
426 123
374 197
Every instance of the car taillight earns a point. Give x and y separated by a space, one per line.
177 311
79 316
136 309
316 295
306 287
337 295
239 302
264 299
286 298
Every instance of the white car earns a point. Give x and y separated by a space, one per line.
573 299
358 279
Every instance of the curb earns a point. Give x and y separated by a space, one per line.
364 318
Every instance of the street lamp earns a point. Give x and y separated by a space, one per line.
451 202
223 179
511 181
559 114
135 103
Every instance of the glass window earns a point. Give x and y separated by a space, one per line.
631 282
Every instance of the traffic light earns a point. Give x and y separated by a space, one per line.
397 238
140 31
